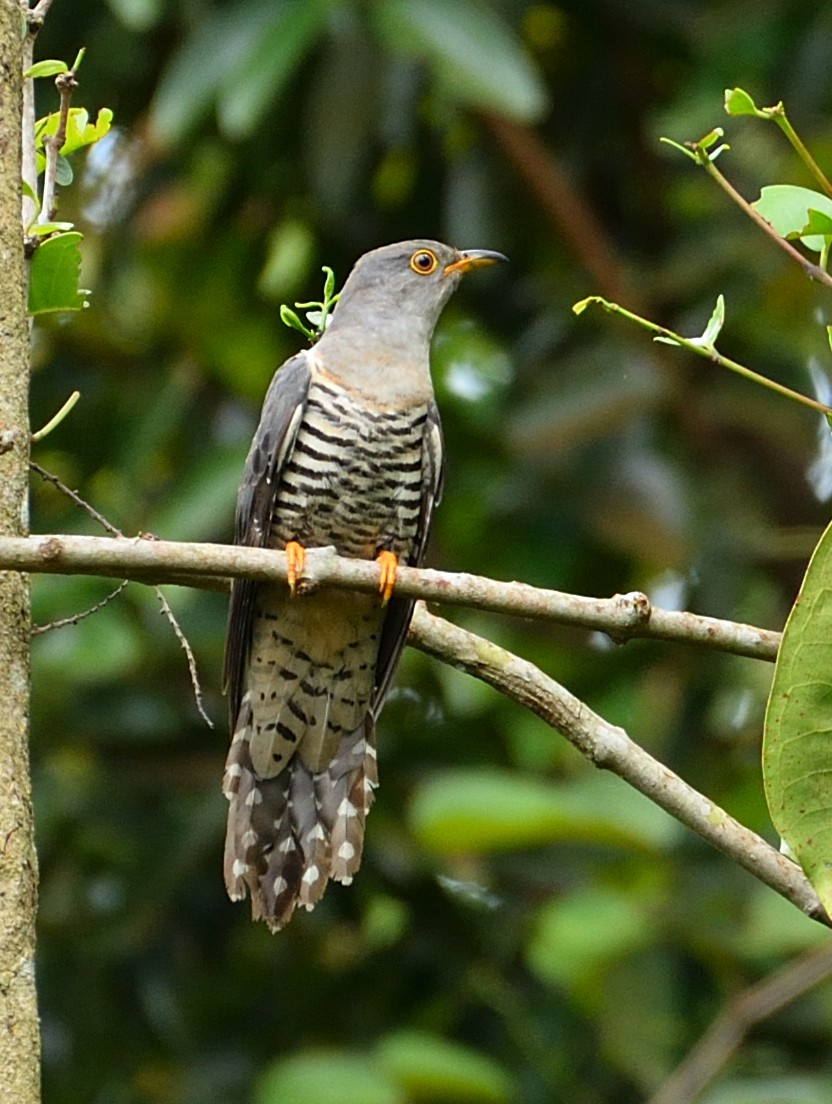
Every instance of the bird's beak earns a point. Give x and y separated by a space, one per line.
473 258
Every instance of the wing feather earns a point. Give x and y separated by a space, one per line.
272 444
400 610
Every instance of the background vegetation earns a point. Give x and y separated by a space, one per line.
254 141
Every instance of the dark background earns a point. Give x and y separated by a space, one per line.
254 142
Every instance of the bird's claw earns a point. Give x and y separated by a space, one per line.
295 559
388 567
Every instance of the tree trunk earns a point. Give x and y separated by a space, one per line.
19 1029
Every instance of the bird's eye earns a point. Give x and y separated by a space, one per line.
423 262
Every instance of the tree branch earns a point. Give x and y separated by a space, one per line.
726 1034
210 565
610 747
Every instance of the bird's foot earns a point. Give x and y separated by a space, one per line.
388 567
295 559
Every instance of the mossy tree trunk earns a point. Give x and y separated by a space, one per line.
19 1029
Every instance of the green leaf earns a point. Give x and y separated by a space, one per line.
331 1076
41 229
682 149
54 274
797 741
63 171
578 936
787 207
188 87
738 102
819 223
138 15
715 323
431 1069
474 55
258 77
329 283
46 69
482 810
289 318
80 132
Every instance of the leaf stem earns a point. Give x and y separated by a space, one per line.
778 114
813 271
56 419
708 351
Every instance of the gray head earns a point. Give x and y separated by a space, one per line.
392 300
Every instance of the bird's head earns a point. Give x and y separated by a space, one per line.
403 287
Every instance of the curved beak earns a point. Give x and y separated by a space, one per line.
473 258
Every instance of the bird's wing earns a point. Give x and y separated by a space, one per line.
400 610
279 422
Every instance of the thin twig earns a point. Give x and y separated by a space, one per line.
74 497
39 11
186 647
64 621
610 747
52 144
703 349
209 566
726 1034
28 157
813 271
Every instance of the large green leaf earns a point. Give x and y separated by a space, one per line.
578 936
188 87
472 52
489 810
53 278
432 1069
797 744
254 82
315 1076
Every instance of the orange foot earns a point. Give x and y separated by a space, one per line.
388 565
295 559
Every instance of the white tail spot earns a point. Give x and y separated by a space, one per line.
346 808
254 797
311 875
280 884
316 833
286 845
249 838
346 850
239 868
233 770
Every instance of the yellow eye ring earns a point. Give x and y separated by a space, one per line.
424 262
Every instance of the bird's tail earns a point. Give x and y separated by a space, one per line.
289 834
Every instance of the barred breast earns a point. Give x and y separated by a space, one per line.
354 479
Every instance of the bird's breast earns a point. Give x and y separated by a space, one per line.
354 478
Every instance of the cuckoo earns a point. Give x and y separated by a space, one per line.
348 453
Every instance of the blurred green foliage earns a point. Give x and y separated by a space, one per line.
257 140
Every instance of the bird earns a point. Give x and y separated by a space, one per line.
348 454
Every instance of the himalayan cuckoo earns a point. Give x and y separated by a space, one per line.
348 453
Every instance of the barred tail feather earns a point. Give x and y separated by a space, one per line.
289 834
